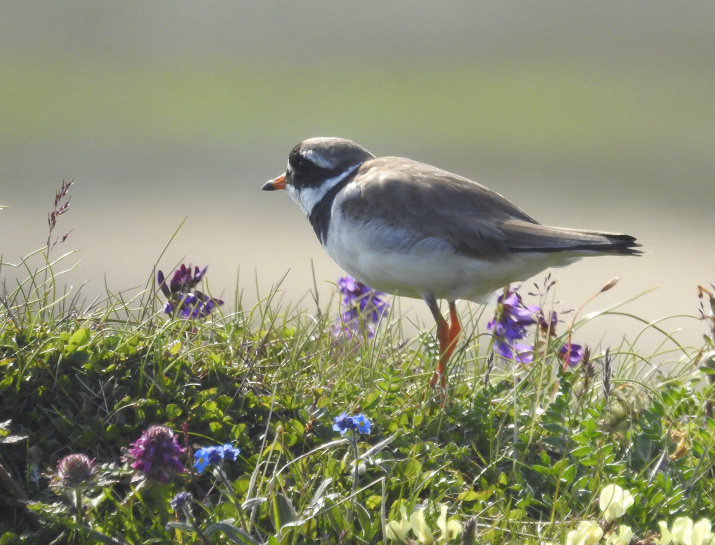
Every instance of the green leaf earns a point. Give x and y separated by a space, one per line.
588 462
235 535
555 429
582 452
569 473
320 491
215 427
80 337
468 495
371 400
179 526
337 521
413 470
373 502
282 511
172 411
253 502
8 538
102 538
174 348
87 438
6 382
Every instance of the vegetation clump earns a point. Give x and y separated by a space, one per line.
157 418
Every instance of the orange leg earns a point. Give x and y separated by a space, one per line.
447 335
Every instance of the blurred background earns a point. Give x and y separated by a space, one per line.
596 115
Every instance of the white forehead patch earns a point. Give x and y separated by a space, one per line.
317 159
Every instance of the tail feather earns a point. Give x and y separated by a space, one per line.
614 243
527 237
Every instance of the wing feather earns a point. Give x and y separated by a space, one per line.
425 203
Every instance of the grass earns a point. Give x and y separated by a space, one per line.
520 453
555 109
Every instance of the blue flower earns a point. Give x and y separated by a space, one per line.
215 455
201 459
360 423
343 423
230 453
363 423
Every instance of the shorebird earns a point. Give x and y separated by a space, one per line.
414 230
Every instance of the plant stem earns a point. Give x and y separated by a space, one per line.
353 443
78 505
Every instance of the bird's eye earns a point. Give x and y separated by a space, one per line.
296 160
302 164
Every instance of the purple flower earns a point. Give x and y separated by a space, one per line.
571 354
156 454
183 299
519 352
343 423
548 326
74 471
181 501
514 318
510 326
364 306
182 281
215 455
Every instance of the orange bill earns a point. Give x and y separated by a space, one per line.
276 183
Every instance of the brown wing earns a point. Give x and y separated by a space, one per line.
426 204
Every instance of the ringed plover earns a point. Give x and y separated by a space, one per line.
414 230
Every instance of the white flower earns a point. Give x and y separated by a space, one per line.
397 530
701 533
587 533
665 537
684 532
449 530
420 528
624 536
614 501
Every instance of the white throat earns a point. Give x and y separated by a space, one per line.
308 197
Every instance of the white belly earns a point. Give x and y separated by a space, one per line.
371 255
